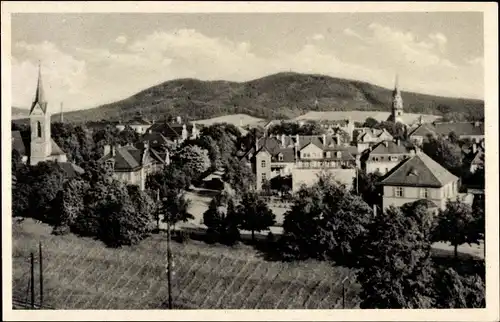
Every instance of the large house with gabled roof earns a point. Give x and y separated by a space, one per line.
418 177
302 157
131 164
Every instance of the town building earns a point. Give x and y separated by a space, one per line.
418 177
42 147
137 124
385 155
473 131
302 157
175 132
366 137
132 164
397 105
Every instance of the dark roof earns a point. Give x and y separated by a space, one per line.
129 158
17 143
39 95
389 147
171 131
420 171
156 140
275 147
445 128
360 133
70 169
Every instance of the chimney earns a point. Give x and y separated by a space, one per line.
324 139
256 144
179 120
146 145
296 140
397 142
374 210
338 138
282 140
474 148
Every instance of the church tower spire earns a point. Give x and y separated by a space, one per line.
397 103
39 99
41 142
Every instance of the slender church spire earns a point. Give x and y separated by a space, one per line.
39 94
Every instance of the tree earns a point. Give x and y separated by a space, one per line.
364 184
222 220
255 214
326 221
457 225
69 204
370 122
195 158
174 206
444 152
396 270
239 176
174 176
455 291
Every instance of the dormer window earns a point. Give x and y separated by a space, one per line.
328 154
280 157
339 154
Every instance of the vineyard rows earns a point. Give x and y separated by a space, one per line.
81 273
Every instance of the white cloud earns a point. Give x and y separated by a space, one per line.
440 40
92 76
318 37
404 48
63 75
352 33
121 40
476 61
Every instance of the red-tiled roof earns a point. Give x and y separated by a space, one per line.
419 171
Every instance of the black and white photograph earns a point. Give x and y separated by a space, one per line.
330 159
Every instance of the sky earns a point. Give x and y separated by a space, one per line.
95 58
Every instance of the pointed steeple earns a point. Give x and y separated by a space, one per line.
396 85
39 94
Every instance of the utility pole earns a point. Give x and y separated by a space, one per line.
32 284
41 273
62 112
158 210
343 291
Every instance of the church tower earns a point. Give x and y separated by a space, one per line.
40 144
397 105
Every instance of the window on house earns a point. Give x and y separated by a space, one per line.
398 191
328 154
264 177
424 193
280 157
263 163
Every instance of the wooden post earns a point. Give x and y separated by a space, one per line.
343 291
169 267
32 281
41 273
